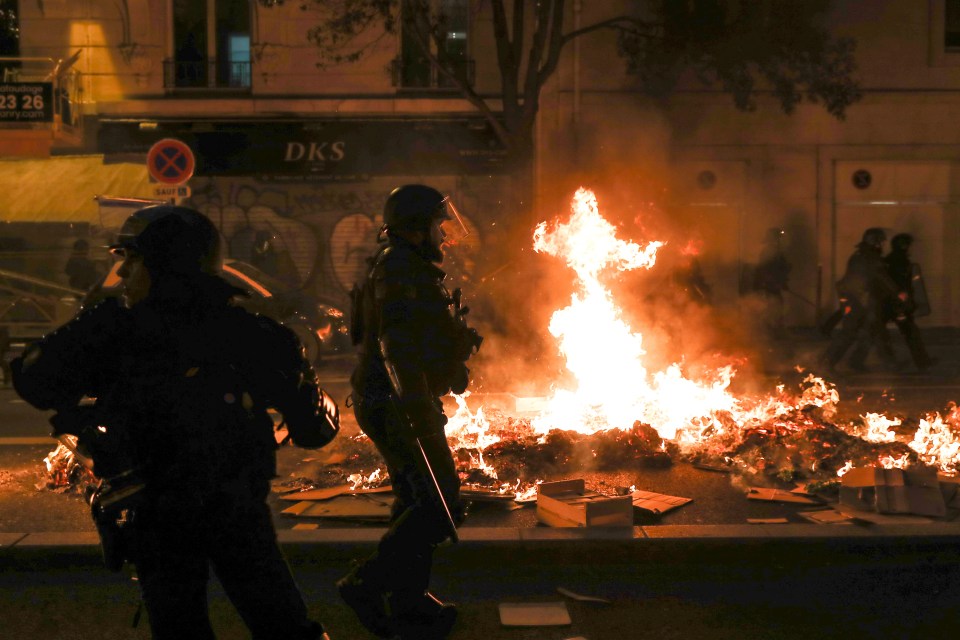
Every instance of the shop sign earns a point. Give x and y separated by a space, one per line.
26 102
333 150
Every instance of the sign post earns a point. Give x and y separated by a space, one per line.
170 162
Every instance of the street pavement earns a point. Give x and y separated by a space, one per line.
718 498
700 571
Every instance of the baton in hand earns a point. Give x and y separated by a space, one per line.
427 470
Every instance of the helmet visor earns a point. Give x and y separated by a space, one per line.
455 230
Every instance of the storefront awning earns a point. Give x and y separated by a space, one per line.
62 189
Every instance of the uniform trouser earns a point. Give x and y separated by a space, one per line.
860 328
873 334
404 556
178 537
852 327
911 335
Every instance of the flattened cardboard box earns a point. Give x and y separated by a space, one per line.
915 491
567 503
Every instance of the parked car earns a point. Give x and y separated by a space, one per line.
321 327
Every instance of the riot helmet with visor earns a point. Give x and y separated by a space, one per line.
171 239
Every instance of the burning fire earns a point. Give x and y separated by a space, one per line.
618 406
614 387
614 390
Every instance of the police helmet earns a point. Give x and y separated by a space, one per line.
874 235
171 239
413 207
901 241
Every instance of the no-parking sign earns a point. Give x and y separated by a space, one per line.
170 161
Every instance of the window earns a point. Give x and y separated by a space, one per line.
951 25
455 42
211 44
9 37
415 70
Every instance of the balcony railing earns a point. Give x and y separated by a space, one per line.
423 75
206 74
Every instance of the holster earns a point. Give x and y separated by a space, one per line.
113 510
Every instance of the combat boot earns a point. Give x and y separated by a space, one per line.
422 616
369 602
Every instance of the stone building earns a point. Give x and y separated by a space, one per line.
303 156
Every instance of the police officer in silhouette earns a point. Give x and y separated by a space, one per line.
413 344
862 290
179 434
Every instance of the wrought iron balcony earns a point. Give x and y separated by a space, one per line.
421 74
206 74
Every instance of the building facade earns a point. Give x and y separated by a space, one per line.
300 157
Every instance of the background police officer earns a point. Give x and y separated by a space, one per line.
412 347
901 309
180 434
862 290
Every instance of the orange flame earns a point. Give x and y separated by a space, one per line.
614 388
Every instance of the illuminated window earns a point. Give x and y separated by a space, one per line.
415 69
211 44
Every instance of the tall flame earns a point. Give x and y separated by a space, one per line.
614 388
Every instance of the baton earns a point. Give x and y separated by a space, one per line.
427 470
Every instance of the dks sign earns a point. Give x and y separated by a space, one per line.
346 149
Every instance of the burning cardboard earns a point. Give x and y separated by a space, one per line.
567 503
915 491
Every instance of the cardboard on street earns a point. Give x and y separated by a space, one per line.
567 503
534 614
915 491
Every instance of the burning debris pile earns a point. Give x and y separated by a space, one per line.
621 416
66 471
797 444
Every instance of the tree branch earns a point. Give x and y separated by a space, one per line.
464 87
619 23
506 60
518 30
530 86
556 46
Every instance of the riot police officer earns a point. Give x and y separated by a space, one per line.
901 309
179 434
413 343
862 290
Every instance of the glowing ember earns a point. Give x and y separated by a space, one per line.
359 481
936 440
878 428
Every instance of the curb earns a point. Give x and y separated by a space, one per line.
532 537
